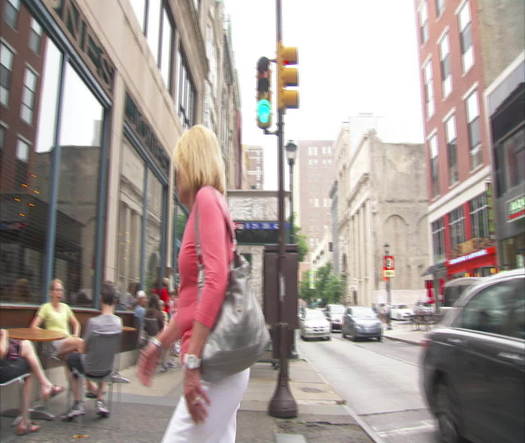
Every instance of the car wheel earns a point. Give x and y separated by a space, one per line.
328 338
380 338
447 421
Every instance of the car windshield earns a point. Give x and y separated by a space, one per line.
337 309
314 315
363 313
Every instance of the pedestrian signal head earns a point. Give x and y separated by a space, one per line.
264 94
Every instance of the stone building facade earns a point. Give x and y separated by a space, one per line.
384 201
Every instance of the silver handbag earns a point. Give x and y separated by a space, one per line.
239 336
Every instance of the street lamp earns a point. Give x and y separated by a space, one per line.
388 292
291 154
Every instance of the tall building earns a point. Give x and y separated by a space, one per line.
382 199
457 141
254 166
93 98
314 172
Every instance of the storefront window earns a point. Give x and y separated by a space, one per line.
513 252
456 227
438 240
479 216
153 231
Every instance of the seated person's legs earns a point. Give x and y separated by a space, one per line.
74 363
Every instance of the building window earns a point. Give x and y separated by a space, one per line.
153 27
514 148
438 240
434 167
11 12
139 8
446 73
452 148
35 36
186 94
479 216
456 224
22 157
423 22
465 31
474 132
28 96
312 150
166 49
429 89
440 5
6 64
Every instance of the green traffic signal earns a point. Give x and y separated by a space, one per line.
264 111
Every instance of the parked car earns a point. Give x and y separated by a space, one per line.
361 321
334 314
473 370
313 324
401 312
423 308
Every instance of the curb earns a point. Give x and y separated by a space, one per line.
404 340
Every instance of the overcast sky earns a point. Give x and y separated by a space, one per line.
354 56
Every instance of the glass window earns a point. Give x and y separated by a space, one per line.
517 313
155 195
429 88
446 74
11 9
6 66
166 61
139 7
474 131
514 149
465 30
186 95
456 226
452 148
35 36
153 28
479 216
434 166
438 240
28 96
488 311
440 6
423 22
80 140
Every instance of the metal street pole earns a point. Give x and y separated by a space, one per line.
388 295
282 404
292 233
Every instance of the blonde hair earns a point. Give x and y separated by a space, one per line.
55 281
198 154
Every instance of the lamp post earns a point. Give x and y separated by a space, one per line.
388 293
291 154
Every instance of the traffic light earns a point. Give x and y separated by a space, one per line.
264 95
287 98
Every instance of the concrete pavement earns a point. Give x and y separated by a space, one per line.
141 414
406 332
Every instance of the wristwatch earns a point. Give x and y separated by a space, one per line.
191 361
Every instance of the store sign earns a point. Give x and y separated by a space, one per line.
271 226
144 132
467 257
515 209
84 38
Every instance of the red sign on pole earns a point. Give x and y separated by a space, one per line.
389 266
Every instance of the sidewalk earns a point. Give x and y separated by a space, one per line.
143 413
406 332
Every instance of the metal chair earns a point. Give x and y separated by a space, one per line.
15 412
99 361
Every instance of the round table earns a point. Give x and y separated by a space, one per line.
128 328
35 334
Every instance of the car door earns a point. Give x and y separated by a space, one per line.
491 373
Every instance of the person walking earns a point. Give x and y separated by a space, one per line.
207 411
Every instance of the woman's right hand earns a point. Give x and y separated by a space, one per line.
148 361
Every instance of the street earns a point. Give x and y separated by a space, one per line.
380 383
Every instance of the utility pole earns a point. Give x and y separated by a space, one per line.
282 404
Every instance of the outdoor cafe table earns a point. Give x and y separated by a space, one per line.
36 335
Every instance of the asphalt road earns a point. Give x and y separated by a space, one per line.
380 383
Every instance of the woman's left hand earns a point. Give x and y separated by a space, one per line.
197 399
148 361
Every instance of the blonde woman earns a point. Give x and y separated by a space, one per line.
207 412
58 316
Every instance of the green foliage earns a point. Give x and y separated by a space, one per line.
300 240
327 286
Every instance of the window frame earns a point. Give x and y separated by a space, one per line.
434 165
456 226
16 13
474 129
465 36
428 79
452 150
445 65
8 75
32 95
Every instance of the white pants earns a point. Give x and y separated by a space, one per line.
221 424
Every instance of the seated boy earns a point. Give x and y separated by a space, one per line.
106 322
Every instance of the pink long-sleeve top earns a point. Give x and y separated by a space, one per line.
217 253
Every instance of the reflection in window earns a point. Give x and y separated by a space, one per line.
438 240
465 30
434 166
35 36
186 96
166 61
155 194
6 65
456 227
479 216
28 96
153 28
80 141
11 12
474 130
452 148
514 149
428 88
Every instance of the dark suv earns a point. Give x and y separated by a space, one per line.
473 369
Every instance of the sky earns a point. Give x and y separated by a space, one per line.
354 56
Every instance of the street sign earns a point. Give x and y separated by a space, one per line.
389 266
389 273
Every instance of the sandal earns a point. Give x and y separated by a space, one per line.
22 429
53 392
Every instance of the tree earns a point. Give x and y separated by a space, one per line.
327 286
300 240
